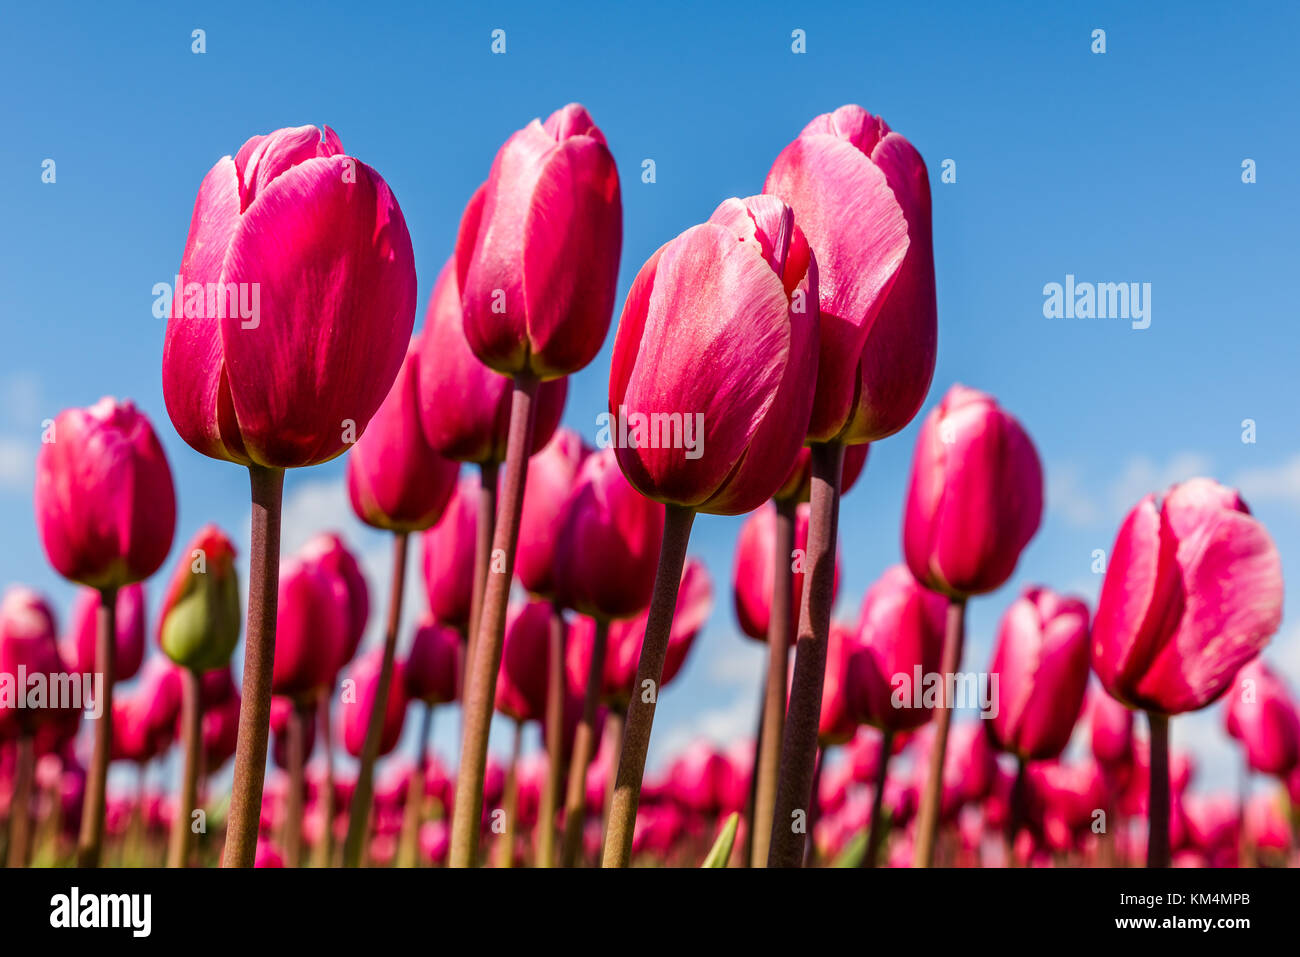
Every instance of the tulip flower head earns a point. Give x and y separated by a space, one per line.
198 626
1193 591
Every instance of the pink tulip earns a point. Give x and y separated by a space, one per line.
1193 591
464 405
220 731
267 855
282 713
396 480
521 685
798 484
698 778
552 473
721 322
449 557
1262 716
105 504
27 642
860 194
1111 729
975 496
837 723
538 249
354 714
1041 660
433 666
754 569
315 243
899 630
607 546
333 560
79 649
311 630
1267 828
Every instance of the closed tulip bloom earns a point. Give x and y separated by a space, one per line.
694 604
753 569
521 685
900 630
798 484
1262 716
295 305
860 194
396 480
1041 660
1193 591
720 329
28 642
220 732
79 649
538 249
282 713
607 546
552 473
198 626
464 405
105 503
334 560
1111 731
449 557
355 715
311 630
433 665
975 496
157 700
837 722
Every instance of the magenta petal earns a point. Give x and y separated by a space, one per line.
328 247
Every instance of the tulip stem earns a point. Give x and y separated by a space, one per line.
1015 811
747 856
92 810
875 839
323 853
1158 792
931 799
615 719
506 846
413 814
814 810
178 851
645 693
779 626
790 817
484 529
297 796
259 661
20 807
485 649
575 803
554 730
359 820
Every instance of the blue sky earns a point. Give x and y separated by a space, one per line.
1123 166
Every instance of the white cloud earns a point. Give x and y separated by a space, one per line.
17 465
1141 476
1068 495
1277 483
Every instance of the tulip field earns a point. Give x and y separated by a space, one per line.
595 440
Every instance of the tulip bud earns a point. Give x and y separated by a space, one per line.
396 481
79 649
294 306
552 473
449 557
433 665
538 249
900 629
1111 727
719 332
755 566
328 553
105 504
1192 592
311 630
798 484
521 685
27 643
607 546
975 496
1262 716
200 618
355 715
837 724
861 195
1041 660
464 405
